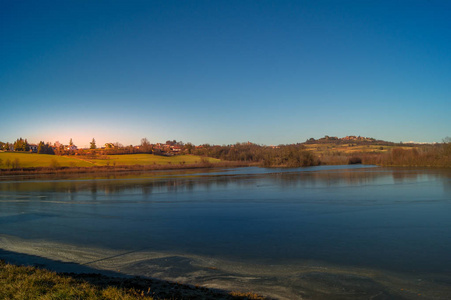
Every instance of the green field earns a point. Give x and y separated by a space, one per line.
148 159
33 160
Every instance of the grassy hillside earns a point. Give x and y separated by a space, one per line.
349 148
438 155
33 160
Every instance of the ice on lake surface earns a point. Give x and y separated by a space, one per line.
313 232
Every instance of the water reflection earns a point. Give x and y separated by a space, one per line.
173 183
401 176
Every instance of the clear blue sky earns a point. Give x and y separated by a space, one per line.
220 72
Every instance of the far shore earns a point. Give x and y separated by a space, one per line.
239 155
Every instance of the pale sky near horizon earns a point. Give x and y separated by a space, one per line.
220 72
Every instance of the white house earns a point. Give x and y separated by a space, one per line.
33 148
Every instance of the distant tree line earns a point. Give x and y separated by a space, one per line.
5 146
438 155
21 145
45 148
283 155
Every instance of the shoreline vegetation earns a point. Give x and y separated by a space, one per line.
29 282
121 168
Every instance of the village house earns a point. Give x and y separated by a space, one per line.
33 148
71 147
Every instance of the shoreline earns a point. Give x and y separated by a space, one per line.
118 269
212 278
135 287
121 168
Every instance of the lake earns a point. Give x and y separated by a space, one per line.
318 232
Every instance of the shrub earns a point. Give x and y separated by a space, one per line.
54 164
15 164
354 160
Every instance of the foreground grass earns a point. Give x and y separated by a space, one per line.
18 160
21 282
32 283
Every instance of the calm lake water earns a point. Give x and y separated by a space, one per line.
361 219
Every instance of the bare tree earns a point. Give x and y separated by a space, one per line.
145 145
